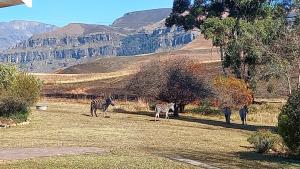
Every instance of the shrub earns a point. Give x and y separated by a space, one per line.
14 108
263 140
232 91
206 107
7 76
169 81
27 87
289 123
18 91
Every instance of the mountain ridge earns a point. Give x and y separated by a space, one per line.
16 31
137 19
77 43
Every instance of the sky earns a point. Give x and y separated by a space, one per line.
62 12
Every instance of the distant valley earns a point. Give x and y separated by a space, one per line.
135 33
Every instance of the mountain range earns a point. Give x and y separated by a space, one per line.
135 33
14 32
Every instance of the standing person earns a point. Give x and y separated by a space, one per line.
243 114
227 113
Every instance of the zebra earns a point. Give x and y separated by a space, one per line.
101 104
163 108
243 114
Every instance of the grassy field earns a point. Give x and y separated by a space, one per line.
133 140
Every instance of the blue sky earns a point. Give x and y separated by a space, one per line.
62 12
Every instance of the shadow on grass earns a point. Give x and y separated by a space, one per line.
88 115
226 160
253 156
202 121
225 125
143 113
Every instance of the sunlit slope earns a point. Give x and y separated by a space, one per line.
113 74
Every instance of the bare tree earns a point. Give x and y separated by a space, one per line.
283 56
169 81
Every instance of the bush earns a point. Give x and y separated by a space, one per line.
289 123
263 140
14 108
206 108
169 81
18 91
232 91
27 87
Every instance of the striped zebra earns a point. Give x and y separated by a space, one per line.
164 107
101 105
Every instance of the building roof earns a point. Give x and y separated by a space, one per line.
7 3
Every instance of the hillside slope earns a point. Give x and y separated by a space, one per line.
113 74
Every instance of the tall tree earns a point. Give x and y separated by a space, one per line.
237 27
282 58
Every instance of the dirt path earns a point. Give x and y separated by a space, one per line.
28 153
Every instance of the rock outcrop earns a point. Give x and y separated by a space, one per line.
77 43
14 32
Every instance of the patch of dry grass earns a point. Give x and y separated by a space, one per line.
78 78
134 140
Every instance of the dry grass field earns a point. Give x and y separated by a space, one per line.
113 74
133 140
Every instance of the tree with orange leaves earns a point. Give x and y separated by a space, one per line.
232 91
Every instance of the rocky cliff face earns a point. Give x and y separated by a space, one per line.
77 43
14 32
138 19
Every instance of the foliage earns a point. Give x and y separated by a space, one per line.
263 140
281 57
232 91
14 108
206 108
27 87
19 91
182 86
289 122
169 81
239 27
8 76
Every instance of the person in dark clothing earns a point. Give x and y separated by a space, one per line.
227 113
243 114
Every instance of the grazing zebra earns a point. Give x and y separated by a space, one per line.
243 114
101 104
163 108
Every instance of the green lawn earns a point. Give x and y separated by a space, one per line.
133 140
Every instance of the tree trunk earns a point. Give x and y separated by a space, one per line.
298 75
176 110
289 83
181 108
222 59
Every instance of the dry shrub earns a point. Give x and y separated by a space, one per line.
263 140
169 81
232 91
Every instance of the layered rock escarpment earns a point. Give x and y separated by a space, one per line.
77 43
